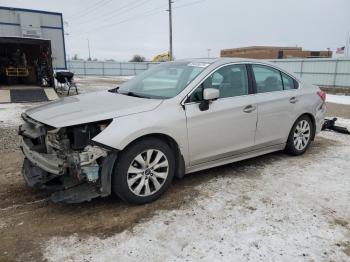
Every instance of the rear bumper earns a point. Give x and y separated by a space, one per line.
319 117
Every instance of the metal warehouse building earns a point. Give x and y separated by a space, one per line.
26 23
31 46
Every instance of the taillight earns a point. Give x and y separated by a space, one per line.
322 95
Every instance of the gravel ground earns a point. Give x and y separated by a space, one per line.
336 110
8 140
270 208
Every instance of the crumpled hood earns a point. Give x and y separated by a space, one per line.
90 107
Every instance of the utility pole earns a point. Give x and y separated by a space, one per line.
170 31
89 59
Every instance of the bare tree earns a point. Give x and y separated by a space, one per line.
138 58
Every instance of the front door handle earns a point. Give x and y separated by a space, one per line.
249 109
293 100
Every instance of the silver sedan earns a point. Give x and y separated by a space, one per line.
176 118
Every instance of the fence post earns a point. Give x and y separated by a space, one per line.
335 73
103 68
84 68
121 69
134 69
301 68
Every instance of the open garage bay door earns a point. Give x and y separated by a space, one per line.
26 73
25 61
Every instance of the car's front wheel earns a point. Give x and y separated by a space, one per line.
300 136
143 171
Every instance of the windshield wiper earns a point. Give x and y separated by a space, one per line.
129 93
136 95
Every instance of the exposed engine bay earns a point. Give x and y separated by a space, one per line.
65 160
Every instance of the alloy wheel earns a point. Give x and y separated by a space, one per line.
302 134
147 172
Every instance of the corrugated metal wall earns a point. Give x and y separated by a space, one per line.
87 68
322 72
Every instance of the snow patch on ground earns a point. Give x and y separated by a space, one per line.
287 209
338 99
10 114
97 78
94 83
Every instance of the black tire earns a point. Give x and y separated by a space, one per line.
290 148
126 157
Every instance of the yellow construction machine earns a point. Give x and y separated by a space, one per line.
165 57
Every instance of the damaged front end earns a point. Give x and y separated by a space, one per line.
65 161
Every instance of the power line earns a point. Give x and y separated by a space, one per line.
89 9
107 16
188 4
148 13
129 7
151 12
112 12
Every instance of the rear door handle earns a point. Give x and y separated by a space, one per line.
249 109
293 100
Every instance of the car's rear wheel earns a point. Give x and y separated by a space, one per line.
300 136
143 171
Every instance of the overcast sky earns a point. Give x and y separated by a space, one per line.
120 28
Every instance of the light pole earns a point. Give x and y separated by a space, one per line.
209 50
88 42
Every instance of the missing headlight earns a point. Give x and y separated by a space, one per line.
80 136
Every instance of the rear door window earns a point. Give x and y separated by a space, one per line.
267 79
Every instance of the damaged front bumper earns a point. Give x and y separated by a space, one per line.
72 176
47 162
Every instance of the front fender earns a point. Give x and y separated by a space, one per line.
124 130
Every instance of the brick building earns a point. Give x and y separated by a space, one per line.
273 52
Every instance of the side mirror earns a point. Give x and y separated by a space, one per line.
209 94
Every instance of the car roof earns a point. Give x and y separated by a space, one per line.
221 60
226 60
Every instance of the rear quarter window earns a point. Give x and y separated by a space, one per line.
296 84
288 82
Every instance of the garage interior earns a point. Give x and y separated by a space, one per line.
25 69
25 61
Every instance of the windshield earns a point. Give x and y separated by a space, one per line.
162 81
